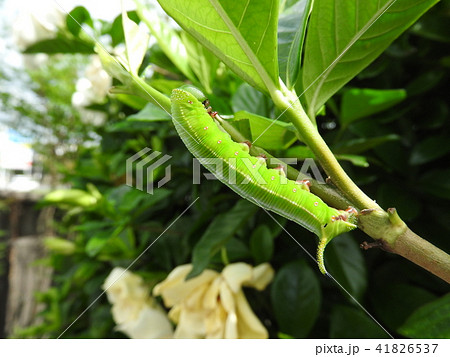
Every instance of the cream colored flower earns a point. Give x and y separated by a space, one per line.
135 312
94 86
213 305
37 21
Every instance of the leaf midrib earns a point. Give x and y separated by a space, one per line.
355 38
270 85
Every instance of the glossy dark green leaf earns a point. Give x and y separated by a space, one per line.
407 205
429 321
430 149
237 250
352 322
434 28
261 244
296 299
394 302
353 35
218 233
360 103
356 160
425 82
357 146
436 182
345 261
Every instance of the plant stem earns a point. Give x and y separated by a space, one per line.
421 252
293 110
387 227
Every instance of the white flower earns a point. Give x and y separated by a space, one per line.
39 21
135 312
94 86
213 305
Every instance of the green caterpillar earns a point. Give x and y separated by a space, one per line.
249 176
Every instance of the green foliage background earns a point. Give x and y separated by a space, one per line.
388 126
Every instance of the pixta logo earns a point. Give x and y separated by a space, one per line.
146 170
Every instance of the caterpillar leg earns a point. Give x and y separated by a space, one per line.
304 184
320 250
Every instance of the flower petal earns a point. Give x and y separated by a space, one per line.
249 325
151 323
175 288
191 324
262 275
236 274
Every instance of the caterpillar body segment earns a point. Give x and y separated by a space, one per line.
249 176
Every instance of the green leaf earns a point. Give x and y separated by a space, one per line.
130 126
356 160
354 34
71 197
430 149
165 86
150 113
237 250
132 101
356 146
360 103
112 66
291 33
393 303
167 37
303 152
434 27
425 82
296 299
300 152
136 41
241 34
78 16
60 45
261 244
218 233
135 201
349 322
407 204
345 262
98 241
248 98
268 133
60 245
203 63
116 29
436 182
429 321
133 84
